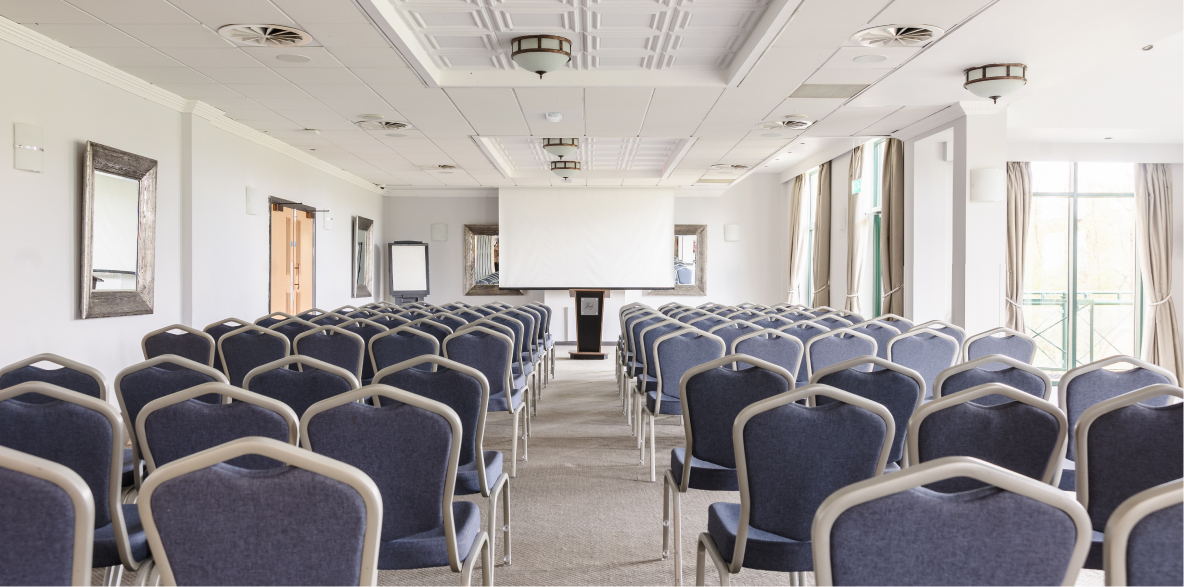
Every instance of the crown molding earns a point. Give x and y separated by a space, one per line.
44 46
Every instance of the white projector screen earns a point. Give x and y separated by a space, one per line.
597 238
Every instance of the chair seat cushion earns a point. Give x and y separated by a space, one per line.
106 554
468 481
704 475
764 551
497 401
670 405
651 383
527 368
430 548
1068 478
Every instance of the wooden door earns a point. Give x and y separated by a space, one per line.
281 259
303 277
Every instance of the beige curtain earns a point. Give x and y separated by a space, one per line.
821 261
892 229
1019 213
856 231
797 240
1153 221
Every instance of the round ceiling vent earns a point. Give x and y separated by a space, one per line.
897 35
797 122
265 35
381 125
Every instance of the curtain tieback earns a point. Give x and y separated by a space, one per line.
854 295
898 288
823 287
1013 302
1163 301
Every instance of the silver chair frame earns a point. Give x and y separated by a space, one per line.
338 330
633 393
837 332
919 330
1007 332
249 328
189 329
942 325
301 361
987 360
1071 374
393 331
1123 521
769 333
62 362
877 361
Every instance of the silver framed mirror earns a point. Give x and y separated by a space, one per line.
118 233
482 262
363 267
690 262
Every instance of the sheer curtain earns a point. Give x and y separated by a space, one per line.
1153 223
1019 213
821 294
892 229
856 231
797 239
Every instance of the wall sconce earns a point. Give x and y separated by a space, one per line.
439 232
731 233
256 202
28 151
326 220
988 185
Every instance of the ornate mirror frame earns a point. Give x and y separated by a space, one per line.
362 290
103 304
472 288
699 231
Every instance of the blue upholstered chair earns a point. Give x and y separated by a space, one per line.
248 347
647 380
836 346
311 313
797 315
993 369
706 323
1090 384
925 351
892 530
85 434
330 319
548 339
47 520
1125 446
804 331
522 367
897 322
466 391
880 332
362 313
272 318
624 353
1026 434
292 327
432 327
411 449
334 345
1000 341
71 375
177 425
367 329
299 381
688 315
954 332
634 322
711 396
833 321
1145 536
771 345
141 383
400 344
531 351
310 521
468 314
893 386
345 310
390 321
450 320
490 352
219 329
771 321
789 458
190 343
674 354
733 329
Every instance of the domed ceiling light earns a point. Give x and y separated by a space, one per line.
561 148
996 80
540 53
565 169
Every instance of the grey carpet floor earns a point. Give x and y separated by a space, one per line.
584 510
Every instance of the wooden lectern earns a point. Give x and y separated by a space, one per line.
589 323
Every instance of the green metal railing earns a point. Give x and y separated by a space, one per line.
1054 330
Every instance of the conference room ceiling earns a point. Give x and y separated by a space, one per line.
697 74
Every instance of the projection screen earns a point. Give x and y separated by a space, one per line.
595 238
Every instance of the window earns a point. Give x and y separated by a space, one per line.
1081 248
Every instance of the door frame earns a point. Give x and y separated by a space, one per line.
273 201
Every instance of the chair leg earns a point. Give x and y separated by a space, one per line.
480 548
525 437
144 573
665 517
677 537
707 546
514 450
506 527
793 580
653 446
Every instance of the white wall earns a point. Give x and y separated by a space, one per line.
929 193
839 168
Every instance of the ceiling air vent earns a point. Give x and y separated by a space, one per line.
897 35
797 122
381 125
727 167
265 35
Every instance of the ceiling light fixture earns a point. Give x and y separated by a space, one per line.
293 58
554 116
897 35
869 59
540 53
561 147
565 169
996 80
265 35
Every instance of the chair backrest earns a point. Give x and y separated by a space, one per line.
686 316
790 457
774 346
677 352
330 319
530 324
219 329
248 347
400 344
706 323
713 394
450 320
733 329
47 521
743 315
880 332
955 332
176 426
292 327
432 327
190 343
649 336
77 431
635 324
367 329
410 448
900 323
72 375
1026 435
804 331
925 351
517 328
1125 446
836 346
311 313
1017 374
1000 341
796 315
899 389
833 321
390 320
770 321
141 383
312 521
334 345
345 310
1145 536
312 381
891 530
1091 384
468 315
272 318
487 351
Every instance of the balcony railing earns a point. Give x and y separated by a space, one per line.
1105 326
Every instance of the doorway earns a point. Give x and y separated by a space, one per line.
293 257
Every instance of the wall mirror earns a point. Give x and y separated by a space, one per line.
482 267
363 268
690 262
118 233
